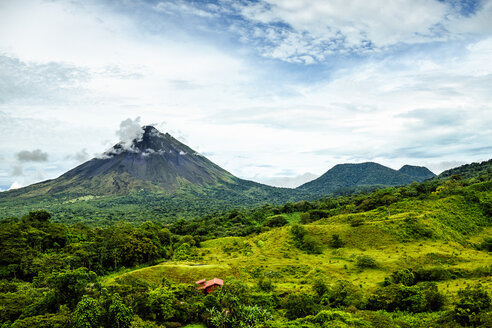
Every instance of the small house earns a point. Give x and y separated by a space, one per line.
209 286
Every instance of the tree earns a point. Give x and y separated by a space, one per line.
276 221
299 305
119 315
183 252
161 302
472 301
70 285
87 313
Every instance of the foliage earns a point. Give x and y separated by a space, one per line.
87 313
472 302
366 262
336 241
161 303
276 221
299 305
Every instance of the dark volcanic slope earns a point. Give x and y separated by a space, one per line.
156 161
420 173
157 158
352 175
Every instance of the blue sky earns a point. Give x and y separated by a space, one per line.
277 91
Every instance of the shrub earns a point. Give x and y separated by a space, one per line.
264 300
365 261
356 221
276 221
343 293
417 298
336 241
299 305
305 218
487 244
432 274
298 232
403 276
319 287
472 301
311 245
265 285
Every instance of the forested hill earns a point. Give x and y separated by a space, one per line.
468 171
420 173
364 175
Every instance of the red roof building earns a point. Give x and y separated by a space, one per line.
209 286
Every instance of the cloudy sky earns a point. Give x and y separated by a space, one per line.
272 90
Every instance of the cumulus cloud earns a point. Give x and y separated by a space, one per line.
32 156
303 31
130 130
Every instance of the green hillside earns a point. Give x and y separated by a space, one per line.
468 171
363 176
414 256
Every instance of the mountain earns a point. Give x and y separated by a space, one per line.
362 175
154 161
473 170
155 176
420 173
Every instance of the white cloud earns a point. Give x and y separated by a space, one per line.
130 130
15 185
318 28
71 72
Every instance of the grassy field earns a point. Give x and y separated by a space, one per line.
418 234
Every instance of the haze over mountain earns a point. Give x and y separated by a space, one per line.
364 175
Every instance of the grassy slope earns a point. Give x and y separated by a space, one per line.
430 233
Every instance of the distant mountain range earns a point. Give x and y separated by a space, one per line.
158 176
364 175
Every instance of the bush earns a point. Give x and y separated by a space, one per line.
336 241
487 244
403 276
305 218
342 294
356 221
319 287
298 232
365 261
276 221
299 305
311 245
265 285
417 298
472 302
265 300
432 274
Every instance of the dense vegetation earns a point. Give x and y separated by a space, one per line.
414 256
368 174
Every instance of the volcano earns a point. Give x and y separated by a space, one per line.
154 160
154 172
